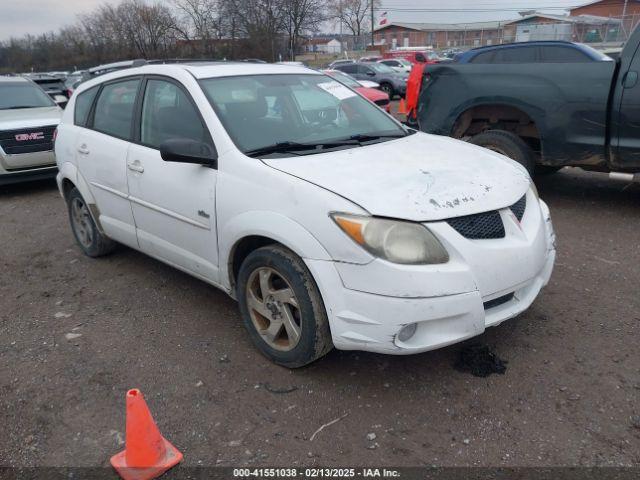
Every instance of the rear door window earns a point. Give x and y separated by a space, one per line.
114 108
83 106
484 57
559 54
515 55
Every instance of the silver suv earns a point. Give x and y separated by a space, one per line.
28 118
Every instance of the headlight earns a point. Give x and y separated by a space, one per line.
395 241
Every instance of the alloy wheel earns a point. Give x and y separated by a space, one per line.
274 309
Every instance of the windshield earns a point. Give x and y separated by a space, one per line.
295 111
405 62
344 79
22 95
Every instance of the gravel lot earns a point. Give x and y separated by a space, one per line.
569 395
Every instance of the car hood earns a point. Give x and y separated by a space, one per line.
420 177
29 117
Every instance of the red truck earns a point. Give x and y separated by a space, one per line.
414 56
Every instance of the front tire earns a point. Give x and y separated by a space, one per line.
90 240
388 89
509 145
282 308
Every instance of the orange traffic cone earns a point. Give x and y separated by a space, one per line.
147 453
402 108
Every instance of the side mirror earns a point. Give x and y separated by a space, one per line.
189 151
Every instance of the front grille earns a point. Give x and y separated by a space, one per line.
13 146
519 207
481 226
498 301
382 103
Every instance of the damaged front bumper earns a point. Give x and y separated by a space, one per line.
371 320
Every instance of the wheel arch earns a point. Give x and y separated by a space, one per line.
68 178
517 118
252 230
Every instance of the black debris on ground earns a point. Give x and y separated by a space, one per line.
480 361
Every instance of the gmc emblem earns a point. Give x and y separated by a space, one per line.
25 137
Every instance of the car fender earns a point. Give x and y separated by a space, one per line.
69 171
268 224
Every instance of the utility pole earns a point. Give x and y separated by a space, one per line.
372 23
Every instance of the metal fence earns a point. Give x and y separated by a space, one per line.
583 29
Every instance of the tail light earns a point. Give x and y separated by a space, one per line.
69 92
55 135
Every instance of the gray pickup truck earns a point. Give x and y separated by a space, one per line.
543 112
28 119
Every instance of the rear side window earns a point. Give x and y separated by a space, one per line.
515 55
348 68
83 106
557 54
167 114
114 108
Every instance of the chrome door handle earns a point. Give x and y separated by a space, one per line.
83 150
135 166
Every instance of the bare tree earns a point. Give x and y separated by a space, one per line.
199 24
302 16
355 15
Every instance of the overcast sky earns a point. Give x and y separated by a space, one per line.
19 17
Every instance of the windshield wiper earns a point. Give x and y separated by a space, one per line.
280 147
292 147
367 138
16 107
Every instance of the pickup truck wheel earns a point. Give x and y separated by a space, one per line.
388 89
282 308
89 239
508 144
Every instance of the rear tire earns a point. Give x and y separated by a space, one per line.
90 240
282 308
507 144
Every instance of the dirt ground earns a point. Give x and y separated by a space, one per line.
569 395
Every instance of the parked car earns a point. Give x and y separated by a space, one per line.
72 80
390 81
533 52
370 58
369 84
373 94
450 53
552 105
414 56
398 64
28 118
53 86
342 61
382 238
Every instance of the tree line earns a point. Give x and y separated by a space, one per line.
217 29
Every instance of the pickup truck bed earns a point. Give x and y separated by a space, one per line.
580 114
